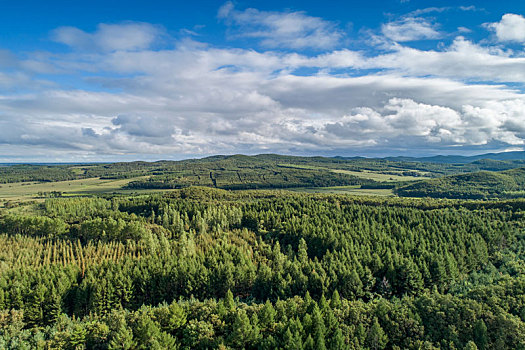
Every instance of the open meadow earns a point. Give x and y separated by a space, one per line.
38 191
367 174
351 190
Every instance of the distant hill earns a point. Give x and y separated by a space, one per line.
265 171
478 185
502 156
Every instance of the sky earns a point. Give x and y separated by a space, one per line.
110 80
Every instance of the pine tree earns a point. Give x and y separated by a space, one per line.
302 252
292 340
318 328
77 339
34 312
228 300
267 315
122 340
53 306
146 332
376 338
338 341
309 343
335 301
480 334
243 333
177 316
471 346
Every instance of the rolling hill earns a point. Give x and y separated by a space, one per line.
478 185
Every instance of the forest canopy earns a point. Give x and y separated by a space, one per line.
201 268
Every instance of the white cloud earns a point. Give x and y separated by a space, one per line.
464 30
469 8
510 28
410 29
294 30
404 121
427 10
110 37
402 124
461 60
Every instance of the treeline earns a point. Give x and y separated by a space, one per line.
480 185
206 268
38 173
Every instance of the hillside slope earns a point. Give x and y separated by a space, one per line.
478 185
451 159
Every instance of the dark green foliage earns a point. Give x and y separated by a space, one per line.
39 173
256 178
481 335
376 339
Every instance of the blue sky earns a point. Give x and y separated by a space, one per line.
126 80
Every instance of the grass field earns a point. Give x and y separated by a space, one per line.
32 191
26 191
353 190
366 174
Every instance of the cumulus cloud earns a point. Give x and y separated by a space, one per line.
510 28
110 37
410 29
404 121
294 30
402 124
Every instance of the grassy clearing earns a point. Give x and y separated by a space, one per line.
31 191
365 174
353 190
27 191
298 166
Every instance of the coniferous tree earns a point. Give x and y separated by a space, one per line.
471 346
480 334
376 338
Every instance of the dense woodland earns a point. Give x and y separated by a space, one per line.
28 172
204 268
239 171
477 185
256 178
